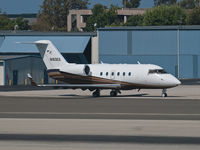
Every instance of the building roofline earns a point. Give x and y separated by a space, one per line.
24 15
186 27
11 57
35 33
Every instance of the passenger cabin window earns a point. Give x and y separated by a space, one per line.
112 74
158 71
124 73
129 74
106 73
101 73
118 73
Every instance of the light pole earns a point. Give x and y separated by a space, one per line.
178 52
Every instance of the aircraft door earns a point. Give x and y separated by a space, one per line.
15 77
112 74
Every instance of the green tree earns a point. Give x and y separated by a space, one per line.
53 14
97 19
111 16
135 20
164 2
131 3
22 23
165 15
101 17
189 4
193 17
8 24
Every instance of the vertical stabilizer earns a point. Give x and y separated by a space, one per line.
50 54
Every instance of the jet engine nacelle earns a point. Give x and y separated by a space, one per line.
87 70
77 69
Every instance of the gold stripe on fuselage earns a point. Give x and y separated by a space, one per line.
78 79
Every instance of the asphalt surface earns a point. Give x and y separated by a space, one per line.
87 107
78 122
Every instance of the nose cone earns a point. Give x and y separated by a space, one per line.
169 80
177 82
173 81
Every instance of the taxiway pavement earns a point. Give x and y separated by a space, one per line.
67 119
180 92
87 107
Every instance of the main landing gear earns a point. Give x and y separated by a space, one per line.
96 93
164 93
113 93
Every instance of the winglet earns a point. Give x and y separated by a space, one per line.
31 79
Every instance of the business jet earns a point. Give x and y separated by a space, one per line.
97 77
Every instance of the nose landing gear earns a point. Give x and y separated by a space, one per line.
164 93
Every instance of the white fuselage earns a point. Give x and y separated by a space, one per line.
103 76
138 74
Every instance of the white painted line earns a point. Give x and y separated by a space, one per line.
139 114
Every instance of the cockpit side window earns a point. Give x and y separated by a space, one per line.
158 71
152 71
162 71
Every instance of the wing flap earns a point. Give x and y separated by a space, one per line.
76 86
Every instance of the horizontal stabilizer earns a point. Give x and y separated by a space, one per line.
31 79
31 43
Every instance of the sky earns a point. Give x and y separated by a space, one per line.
33 6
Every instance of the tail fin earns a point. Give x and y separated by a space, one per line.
50 54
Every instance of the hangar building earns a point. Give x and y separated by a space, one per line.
175 48
16 60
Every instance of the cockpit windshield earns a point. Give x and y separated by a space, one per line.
158 71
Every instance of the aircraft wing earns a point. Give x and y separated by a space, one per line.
76 86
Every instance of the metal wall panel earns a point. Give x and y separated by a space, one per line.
186 66
112 42
32 65
158 46
169 62
157 42
1 39
198 72
22 66
190 42
1 73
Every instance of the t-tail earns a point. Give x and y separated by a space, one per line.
50 54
